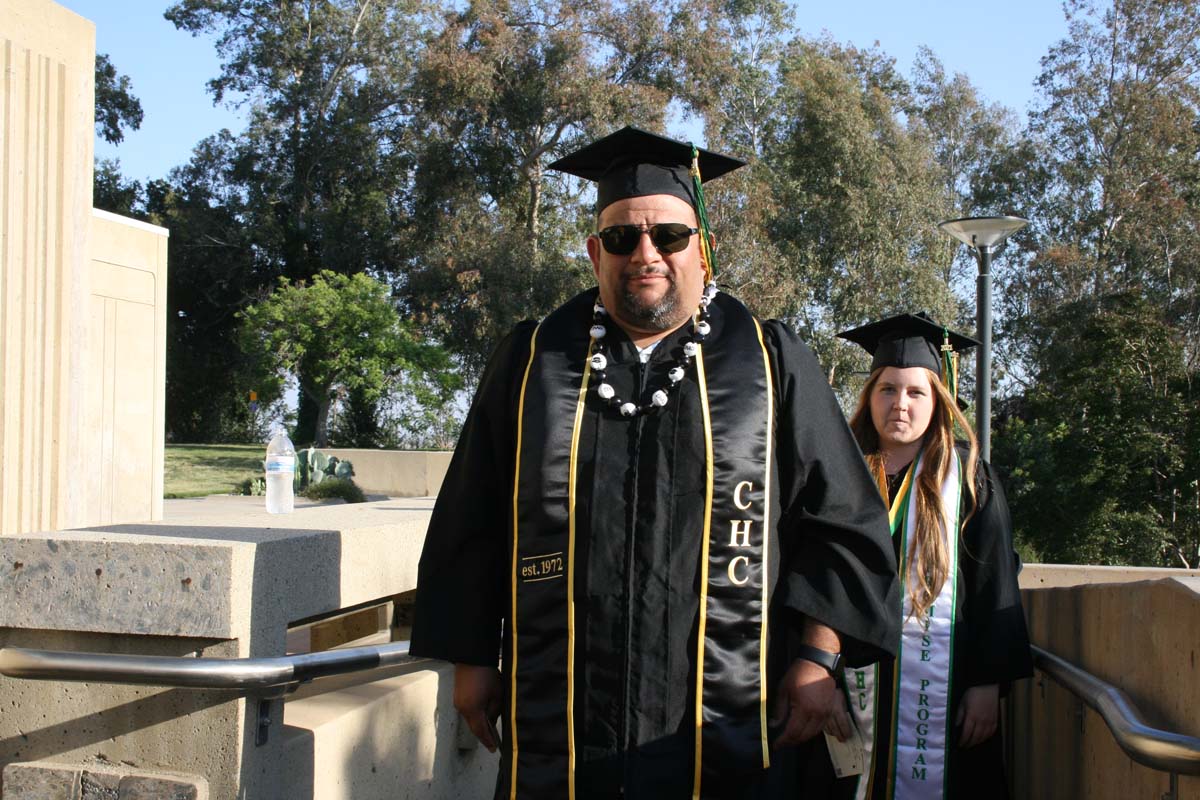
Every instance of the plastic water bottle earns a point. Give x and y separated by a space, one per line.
281 467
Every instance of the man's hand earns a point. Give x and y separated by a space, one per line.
478 694
978 712
805 699
839 724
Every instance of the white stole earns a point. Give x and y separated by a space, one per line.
921 712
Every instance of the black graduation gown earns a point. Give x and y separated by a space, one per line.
636 599
991 645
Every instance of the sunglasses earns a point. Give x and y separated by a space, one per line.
667 237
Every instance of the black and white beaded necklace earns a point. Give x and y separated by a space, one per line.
659 397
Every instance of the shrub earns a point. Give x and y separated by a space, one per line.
344 488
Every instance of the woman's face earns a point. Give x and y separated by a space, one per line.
902 404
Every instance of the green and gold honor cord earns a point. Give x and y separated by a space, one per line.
706 237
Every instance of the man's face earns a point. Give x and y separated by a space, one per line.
648 291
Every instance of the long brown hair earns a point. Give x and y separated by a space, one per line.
928 545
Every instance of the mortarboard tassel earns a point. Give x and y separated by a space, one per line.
706 250
949 364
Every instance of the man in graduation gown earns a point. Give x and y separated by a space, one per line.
655 522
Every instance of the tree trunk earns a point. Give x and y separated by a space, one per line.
322 437
535 203
307 412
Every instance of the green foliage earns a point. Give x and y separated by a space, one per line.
317 180
111 191
340 334
1113 200
506 88
314 467
343 488
320 476
857 190
1101 294
254 487
116 106
215 270
1101 451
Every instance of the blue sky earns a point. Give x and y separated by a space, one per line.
998 46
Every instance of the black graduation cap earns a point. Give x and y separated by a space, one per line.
907 340
634 163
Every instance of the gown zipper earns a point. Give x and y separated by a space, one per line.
643 372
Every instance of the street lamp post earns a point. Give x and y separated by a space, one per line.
985 236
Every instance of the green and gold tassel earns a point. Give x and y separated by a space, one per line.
706 237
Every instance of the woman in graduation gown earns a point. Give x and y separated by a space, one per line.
929 721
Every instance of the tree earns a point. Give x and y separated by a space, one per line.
116 109
735 88
504 88
116 106
1100 297
344 334
856 193
1101 451
112 191
963 130
1117 128
214 271
321 171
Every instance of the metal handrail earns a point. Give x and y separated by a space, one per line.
1162 750
267 678
1159 749
245 674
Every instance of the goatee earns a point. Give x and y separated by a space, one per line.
660 315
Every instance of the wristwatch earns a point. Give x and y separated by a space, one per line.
824 658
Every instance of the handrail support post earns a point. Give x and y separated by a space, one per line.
263 731
1173 792
264 703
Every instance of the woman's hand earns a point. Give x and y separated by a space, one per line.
978 714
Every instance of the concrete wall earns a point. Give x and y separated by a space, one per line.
1052 576
82 298
47 67
396 473
126 380
1136 631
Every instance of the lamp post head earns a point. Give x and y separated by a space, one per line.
982 232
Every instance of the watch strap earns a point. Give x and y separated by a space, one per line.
832 662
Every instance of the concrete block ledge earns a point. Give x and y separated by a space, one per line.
216 567
217 577
47 780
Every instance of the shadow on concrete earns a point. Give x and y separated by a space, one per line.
294 577
390 753
403 508
91 729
